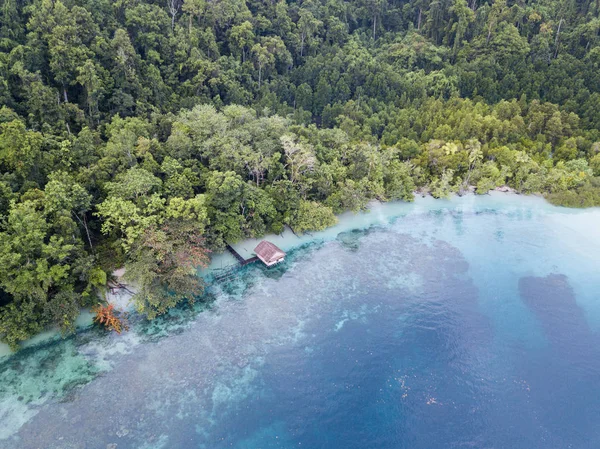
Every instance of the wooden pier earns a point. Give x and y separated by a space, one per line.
226 273
243 262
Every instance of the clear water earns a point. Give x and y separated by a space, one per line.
441 324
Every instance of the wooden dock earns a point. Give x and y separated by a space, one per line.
243 262
226 273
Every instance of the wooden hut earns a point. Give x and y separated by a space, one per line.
269 253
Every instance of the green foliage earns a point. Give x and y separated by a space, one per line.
398 182
237 209
443 187
34 257
45 270
588 195
19 148
62 309
484 185
163 263
133 184
312 216
19 320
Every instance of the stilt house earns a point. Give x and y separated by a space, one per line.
269 253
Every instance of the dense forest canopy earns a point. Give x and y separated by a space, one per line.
148 133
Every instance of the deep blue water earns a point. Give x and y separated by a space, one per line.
464 324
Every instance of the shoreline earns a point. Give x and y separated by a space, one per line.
377 213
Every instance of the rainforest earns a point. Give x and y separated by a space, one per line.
150 134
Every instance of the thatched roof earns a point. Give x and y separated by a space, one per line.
269 253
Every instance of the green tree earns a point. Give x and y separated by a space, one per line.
312 216
242 37
40 270
19 149
163 265
443 187
267 52
90 77
307 26
300 158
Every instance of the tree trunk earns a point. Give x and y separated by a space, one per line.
489 35
374 24
174 6
87 230
259 74
556 40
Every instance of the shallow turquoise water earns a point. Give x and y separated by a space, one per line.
464 323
